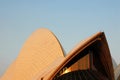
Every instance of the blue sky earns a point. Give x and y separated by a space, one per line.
70 20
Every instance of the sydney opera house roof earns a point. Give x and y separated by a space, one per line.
91 54
39 51
42 58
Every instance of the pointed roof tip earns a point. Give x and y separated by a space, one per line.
43 29
98 33
88 39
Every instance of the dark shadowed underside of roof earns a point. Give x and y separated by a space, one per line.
82 75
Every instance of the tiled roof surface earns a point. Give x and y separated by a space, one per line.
39 51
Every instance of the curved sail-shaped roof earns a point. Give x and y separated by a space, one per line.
102 58
42 58
40 50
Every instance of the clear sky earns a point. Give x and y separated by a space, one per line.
70 20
